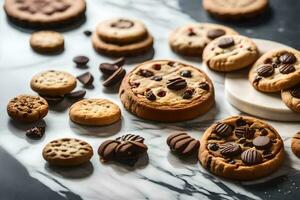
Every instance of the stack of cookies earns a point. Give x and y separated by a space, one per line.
122 37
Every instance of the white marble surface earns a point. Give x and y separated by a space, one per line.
163 176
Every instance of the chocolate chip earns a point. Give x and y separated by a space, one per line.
241 140
213 146
52 100
240 122
156 78
256 80
87 33
286 68
150 96
295 91
86 79
79 94
107 68
288 58
263 132
35 132
171 63
135 84
248 144
183 144
226 42
119 62
161 93
176 84
145 73
204 86
265 70
191 32
186 74
230 149
240 131
81 60
115 78
249 134
262 142
268 61
188 93
215 33
251 157
223 130
157 67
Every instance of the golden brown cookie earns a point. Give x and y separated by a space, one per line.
241 148
97 112
167 91
44 13
53 83
230 52
27 108
67 152
47 42
276 70
295 144
190 40
291 98
235 9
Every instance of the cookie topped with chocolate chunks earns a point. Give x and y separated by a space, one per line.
241 148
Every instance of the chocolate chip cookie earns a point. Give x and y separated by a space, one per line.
233 9
47 42
44 13
241 148
276 70
27 108
190 40
291 98
230 52
167 91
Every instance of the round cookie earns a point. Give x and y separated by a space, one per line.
276 70
295 144
96 112
230 52
291 98
121 31
44 13
167 91
241 148
190 40
233 9
53 83
27 108
122 50
47 42
67 152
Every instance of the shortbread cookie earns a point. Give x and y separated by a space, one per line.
190 40
67 152
27 108
295 144
235 9
241 148
97 112
291 98
44 13
47 42
276 70
167 91
121 31
230 52
132 49
53 83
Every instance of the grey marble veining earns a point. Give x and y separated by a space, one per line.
160 175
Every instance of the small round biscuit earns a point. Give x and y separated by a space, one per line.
53 83
230 52
276 70
27 108
122 50
67 152
233 9
95 112
47 42
190 40
121 31
295 144
291 98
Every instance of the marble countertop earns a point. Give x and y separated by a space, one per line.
25 175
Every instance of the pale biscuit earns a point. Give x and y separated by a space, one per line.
47 42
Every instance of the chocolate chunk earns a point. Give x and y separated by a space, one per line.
240 122
161 93
248 144
256 80
186 74
287 58
119 62
251 157
107 68
241 140
35 132
188 93
157 67
150 96
226 42
223 130
183 144
204 86
145 73
267 154
191 32
268 61
156 78
213 146
52 100
81 60
106 150
295 91
286 68
249 134
87 33
240 131
135 84
86 79
230 149
215 33
79 94
262 142
115 78
263 132
131 137
171 63
176 84
265 70
123 24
